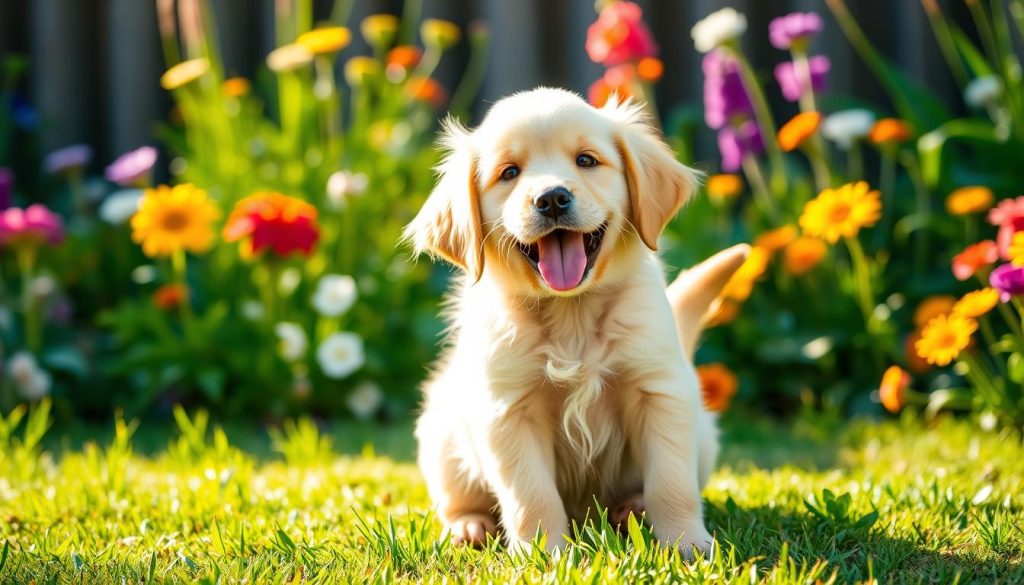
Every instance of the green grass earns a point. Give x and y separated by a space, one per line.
795 503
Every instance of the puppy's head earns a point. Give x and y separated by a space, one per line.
548 191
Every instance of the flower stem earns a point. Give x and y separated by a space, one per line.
862 277
179 267
765 121
924 209
802 68
757 183
855 162
887 184
26 256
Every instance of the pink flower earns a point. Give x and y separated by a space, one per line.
33 225
619 35
1009 217
794 86
1008 280
132 167
68 159
798 26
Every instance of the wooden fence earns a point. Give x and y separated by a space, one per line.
95 64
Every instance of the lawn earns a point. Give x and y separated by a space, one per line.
801 502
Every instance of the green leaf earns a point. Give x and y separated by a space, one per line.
636 536
931 146
947 398
976 62
1015 367
66 358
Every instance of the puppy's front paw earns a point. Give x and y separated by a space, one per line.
472 529
694 539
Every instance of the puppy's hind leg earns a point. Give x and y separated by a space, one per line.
462 502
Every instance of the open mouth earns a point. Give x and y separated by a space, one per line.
564 257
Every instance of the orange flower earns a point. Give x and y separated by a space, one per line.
967 200
741 285
236 87
944 337
932 307
724 186
916 363
804 254
717 386
774 240
893 389
977 303
170 296
725 313
272 221
404 56
974 258
428 90
795 132
890 131
650 69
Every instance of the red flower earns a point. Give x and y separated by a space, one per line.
273 221
974 258
1009 217
616 80
619 35
170 296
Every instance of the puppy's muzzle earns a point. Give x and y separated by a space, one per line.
554 203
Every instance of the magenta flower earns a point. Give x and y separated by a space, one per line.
33 225
1008 280
737 142
132 167
725 98
797 27
794 86
67 159
6 187
1008 216
619 35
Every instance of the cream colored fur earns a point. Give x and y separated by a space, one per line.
544 401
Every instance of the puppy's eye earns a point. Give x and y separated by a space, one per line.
586 161
510 172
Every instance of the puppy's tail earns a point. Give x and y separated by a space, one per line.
694 293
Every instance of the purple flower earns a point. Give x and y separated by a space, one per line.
33 225
67 159
737 142
724 95
132 167
6 187
784 31
793 85
1008 280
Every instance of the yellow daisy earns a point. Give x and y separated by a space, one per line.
841 212
184 73
977 303
321 41
967 200
173 219
724 186
379 29
944 337
776 239
439 33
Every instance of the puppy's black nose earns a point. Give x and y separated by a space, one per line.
554 202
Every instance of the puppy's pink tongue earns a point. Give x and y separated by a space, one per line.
562 259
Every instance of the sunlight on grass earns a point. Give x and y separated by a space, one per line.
872 501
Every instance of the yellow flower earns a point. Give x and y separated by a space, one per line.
893 389
321 41
932 307
795 132
841 212
741 285
439 33
944 337
289 58
774 240
725 313
717 386
977 303
174 219
804 254
1016 249
724 186
966 200
184 73
379 29
236 87
359 69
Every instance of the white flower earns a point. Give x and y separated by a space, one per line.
43 286
982 91
293 342
290 279
340 354
30 381
252 310
120 206
365 400
717 29
342 185
144 274
847 126
334 295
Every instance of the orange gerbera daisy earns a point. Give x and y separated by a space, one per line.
890 131
893 389
977 303
841 212
803 254
724 186
795 132
974 258
944 337
717 386
932 307
776 239
967 200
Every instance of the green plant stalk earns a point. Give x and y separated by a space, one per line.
1014 322
290 92
27 255
986 34
982 379
323 68
755 178
803 70
76 182
763 116
342 11
887 184
945 41
472 78
924 207
988 334
407 29
855 161
815 150
179 268
862 277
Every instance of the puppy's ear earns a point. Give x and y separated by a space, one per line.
448 225
658 183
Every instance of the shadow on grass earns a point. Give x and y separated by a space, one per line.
854 553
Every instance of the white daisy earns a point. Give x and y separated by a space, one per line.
252 310
982 91
365 400
120 206
340 354
717 29
847 126
344 184
292 341
30 381
335 294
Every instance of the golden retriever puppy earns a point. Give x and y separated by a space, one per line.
565 379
